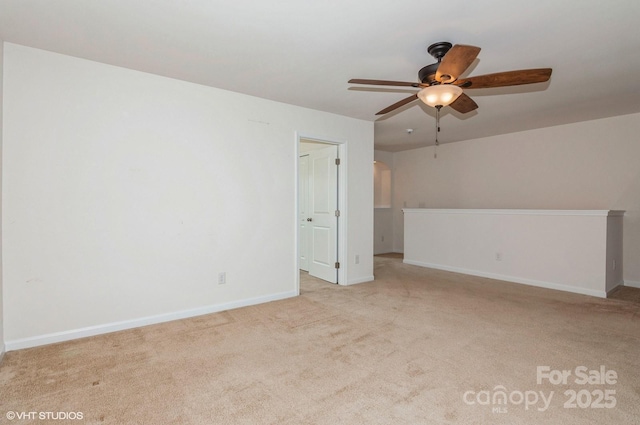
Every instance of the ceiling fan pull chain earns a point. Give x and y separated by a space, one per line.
435 150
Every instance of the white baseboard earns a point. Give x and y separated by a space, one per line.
52 338
2 351
530 282
360 280
632 283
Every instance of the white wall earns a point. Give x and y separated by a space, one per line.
1 173
127 193
589 165
383 217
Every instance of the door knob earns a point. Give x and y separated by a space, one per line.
309 219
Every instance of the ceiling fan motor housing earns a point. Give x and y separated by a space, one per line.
427 75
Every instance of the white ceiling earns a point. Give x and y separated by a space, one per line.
303 52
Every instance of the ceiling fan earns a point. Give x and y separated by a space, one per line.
440 84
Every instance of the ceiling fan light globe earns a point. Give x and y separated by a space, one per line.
439 95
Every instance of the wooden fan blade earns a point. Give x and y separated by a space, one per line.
509 78
464 104
398 104
455 62
386 83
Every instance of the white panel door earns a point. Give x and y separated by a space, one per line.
304 214
323 196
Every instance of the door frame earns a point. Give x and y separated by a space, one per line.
342 203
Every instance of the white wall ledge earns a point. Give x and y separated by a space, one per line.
570 250
598 213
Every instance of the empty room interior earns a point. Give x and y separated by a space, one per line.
251 212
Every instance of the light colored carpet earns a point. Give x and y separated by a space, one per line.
404 349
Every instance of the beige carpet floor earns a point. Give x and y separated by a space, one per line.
417 346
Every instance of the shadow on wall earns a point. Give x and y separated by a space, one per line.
383 214
381 185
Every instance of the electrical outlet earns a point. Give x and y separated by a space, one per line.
614 264
222 278
382 237
357 259
498 256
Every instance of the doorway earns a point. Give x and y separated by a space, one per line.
320 200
